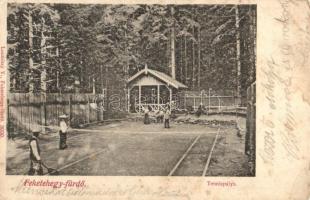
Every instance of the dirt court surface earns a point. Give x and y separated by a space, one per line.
130 148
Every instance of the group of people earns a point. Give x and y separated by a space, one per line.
161 115
35 153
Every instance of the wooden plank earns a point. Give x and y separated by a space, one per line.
21 113
28 109
87 109
30 113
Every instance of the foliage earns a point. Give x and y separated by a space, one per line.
100 46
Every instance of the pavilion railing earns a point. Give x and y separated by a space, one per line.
143 106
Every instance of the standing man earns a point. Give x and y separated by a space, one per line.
63 132
199 110
147 115
167 117
161 114
35 158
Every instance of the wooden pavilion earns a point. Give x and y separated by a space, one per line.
151 85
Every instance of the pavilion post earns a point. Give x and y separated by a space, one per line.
170 98
158 95
139 98
128 100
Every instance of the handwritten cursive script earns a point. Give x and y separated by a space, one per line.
118 191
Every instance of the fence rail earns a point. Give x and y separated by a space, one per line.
217 102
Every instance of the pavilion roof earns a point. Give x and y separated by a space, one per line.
159 75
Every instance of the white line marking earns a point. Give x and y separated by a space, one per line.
184 155
210 154
151 132
80 160
71 136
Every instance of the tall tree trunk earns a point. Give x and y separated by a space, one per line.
199 57
238 51
127 60
43 59
101 79
253 32
57 82
181 59
172 45
107 89
43 76
185 61
58 70
30 33
168 55
94 85
193 61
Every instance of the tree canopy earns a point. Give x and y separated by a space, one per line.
59 47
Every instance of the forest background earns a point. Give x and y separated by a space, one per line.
76 48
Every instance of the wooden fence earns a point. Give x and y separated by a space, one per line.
28 110
250 138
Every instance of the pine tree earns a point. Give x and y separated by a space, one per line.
213 45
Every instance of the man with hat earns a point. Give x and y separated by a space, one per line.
63 132
167 114
35 158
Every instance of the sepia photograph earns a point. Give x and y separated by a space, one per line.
131 89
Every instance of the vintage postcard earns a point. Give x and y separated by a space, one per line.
155 99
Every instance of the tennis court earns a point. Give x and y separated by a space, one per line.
129 148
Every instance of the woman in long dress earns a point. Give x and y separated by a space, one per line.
63 132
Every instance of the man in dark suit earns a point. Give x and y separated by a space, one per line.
35 154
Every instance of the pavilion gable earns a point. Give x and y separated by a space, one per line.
147 80
153 77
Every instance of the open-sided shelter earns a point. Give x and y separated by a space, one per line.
155 90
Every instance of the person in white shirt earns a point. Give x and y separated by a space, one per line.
35 157
160 116
167 117
63 132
